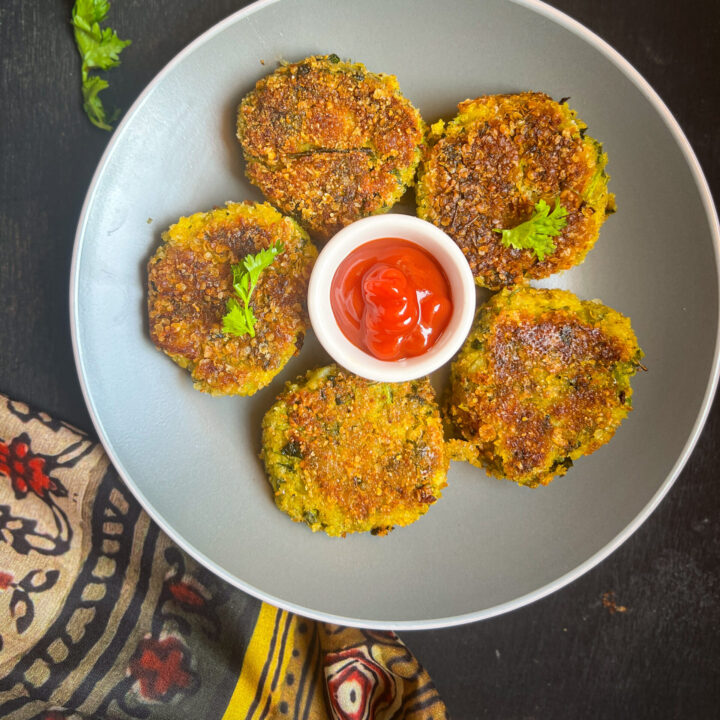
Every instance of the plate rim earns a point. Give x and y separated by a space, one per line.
629 71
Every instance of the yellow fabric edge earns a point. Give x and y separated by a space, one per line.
255 659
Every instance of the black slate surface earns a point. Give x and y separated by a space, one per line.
637 637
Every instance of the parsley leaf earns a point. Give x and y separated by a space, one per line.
537 233
92 11
99 49
91 102
240 319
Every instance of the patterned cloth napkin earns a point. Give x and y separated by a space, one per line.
102 616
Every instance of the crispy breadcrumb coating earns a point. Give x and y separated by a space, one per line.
190 281
344 454
486 169
328 142
542 379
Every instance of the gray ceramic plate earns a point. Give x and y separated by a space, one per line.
488 546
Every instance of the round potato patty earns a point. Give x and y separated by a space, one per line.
190 280
487 169
328 142
542 379
344 454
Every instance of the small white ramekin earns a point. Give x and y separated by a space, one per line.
434 241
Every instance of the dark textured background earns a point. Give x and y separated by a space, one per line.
567 656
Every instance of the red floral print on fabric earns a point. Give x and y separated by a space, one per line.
161 667
5 580
358 688
186 594
26 470
195 593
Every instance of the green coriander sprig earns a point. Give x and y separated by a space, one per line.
537 233
99 49
240 319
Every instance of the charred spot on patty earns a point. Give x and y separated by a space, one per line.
328 142
485 171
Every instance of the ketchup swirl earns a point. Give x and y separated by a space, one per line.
391 298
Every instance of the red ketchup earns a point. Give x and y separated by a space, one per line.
391 298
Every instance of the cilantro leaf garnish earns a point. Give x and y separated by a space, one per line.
99 49
91 102
537 233
240 319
